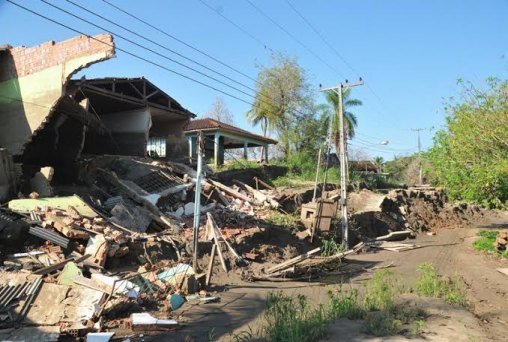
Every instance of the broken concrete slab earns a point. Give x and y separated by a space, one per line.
26 205
146 322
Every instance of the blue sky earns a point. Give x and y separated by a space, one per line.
410 53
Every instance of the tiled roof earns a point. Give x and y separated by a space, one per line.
212 124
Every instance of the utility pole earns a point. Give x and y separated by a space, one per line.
339 89
197 198
417 130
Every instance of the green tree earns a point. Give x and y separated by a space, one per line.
283 99
470 156
350 121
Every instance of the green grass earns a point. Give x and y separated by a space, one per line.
293 320
431 284
235 164
331 247
381 291
344 304
486 243
392 320
289 221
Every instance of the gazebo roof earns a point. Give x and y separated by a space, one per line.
208 124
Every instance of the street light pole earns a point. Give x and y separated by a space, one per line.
342 157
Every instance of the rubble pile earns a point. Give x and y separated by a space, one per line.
117 253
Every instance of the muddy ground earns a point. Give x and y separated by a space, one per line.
242 303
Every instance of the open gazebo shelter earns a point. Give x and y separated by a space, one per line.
220 136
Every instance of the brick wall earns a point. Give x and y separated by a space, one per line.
22 61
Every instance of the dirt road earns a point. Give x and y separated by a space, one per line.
242 304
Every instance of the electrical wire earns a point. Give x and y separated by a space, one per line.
292 36
265 46
149 49
179 40
130 53
159 45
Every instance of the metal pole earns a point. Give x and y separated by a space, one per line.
197 199
420 172
317 175
343 175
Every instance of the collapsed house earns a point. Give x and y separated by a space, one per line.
49 120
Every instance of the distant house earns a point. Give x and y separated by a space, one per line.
220 136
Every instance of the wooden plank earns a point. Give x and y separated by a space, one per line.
210 265
293 261
216 241
395 235
230 191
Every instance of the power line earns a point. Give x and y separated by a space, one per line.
149 49
293 37
159 45
322 38
179 40
130 53
236 25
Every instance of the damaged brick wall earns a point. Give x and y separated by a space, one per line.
33 79
24 61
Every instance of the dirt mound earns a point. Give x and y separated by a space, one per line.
429 210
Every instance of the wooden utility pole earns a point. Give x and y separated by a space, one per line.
339 89
420 176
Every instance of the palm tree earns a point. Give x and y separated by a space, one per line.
350 121
378 162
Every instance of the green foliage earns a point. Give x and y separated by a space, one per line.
344 304
390 321
289 221
284 100
381 290
235 164
470 156
302 170
292 320
331 247
431 284
486 243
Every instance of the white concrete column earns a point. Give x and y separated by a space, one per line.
245 145
216 148
189 139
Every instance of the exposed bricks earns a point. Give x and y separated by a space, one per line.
21 61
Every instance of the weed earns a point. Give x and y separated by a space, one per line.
292 320
244 336
331 247
432 284
381 323
486 243
380 291
289 221
234 164
418 326
342 304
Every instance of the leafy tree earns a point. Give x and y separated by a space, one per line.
470 156
283 99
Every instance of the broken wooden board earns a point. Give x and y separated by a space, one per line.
292 261
393 236
393 246
503 270
27 204
230 191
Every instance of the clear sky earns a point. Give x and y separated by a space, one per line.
410 53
